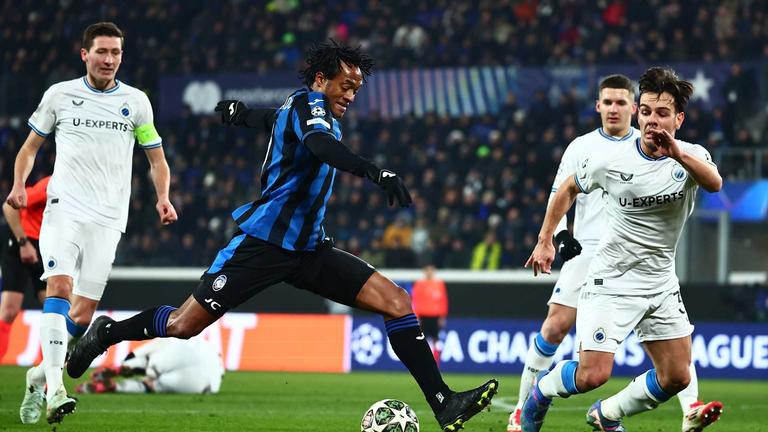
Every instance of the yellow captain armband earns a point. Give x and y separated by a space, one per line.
147 135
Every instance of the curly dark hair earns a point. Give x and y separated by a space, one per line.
325 58
659 80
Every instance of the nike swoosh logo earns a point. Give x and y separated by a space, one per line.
420 337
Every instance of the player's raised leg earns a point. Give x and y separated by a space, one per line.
451 409
159 321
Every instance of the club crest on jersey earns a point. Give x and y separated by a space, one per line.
125 110
219 282
679 173
318 111
51 264
599 335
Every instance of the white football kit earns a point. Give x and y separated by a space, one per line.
89 191
180 366
631 282
589 222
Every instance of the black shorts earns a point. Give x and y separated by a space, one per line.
247 266
17 276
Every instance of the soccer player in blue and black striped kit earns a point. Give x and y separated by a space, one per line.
281 236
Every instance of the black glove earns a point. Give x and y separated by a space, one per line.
567 246
393 185
233 112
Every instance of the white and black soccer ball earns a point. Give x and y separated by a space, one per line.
390 415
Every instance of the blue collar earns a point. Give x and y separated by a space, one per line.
95 90
645 156
606 136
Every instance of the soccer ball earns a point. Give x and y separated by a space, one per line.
389 415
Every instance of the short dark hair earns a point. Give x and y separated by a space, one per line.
617 81
659 80
101 29
325 58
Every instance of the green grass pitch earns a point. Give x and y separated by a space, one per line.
277 402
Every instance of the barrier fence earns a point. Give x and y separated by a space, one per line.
344 343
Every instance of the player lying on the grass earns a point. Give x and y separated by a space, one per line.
650 186
162 366
616 105
281 239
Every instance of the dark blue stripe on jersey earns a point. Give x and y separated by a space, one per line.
225 254
296 185
645 156
605 135
37 131
581 188
316 212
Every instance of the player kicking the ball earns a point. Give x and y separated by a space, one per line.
282 239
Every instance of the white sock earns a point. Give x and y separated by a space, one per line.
642 394
691 393
53 338
37 375
560 381
535 362
131 386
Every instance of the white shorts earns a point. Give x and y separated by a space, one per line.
184 367
572 277
84 251
603 321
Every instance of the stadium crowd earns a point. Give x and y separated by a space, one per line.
480 185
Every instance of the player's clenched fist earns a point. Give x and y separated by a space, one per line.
17 198
166 211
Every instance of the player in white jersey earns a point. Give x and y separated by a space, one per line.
162 366
650 186
96 120
616 106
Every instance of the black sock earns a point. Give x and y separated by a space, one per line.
412 348
148 324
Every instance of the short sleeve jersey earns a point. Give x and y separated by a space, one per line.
648 201
589 221
95 135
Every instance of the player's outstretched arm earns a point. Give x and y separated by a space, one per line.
161 179
544 253
333 152
25 160
236 113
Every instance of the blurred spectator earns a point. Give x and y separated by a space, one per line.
430 304
487 254
467 175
